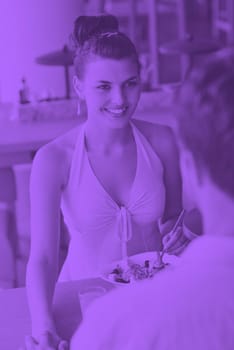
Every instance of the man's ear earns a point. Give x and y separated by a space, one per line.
78 87
189 178
188 165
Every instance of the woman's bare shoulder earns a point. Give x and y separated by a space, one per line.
53 159
161 137
67 141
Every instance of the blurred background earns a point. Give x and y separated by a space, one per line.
37 102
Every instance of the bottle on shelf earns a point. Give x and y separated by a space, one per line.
24 92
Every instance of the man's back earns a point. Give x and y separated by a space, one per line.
187 307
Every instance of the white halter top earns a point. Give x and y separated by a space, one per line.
96 223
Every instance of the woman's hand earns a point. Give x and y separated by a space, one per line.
174 242
46 341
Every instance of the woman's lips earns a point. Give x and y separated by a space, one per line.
116 112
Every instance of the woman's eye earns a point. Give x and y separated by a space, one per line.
104 87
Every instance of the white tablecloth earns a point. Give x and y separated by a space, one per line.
14 312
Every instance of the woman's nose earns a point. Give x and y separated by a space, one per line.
118 97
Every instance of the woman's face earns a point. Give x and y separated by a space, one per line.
111 89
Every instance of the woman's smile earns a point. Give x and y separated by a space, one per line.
116 112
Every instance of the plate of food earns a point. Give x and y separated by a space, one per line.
138 267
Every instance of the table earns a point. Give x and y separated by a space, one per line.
15 319
19 140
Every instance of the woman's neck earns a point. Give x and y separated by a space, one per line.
101 139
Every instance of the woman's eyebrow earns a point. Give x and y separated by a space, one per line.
109 82
104 82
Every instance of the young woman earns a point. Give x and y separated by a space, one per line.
112 177
190 306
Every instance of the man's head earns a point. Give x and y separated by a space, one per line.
205 124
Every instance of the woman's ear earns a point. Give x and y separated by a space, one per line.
78 87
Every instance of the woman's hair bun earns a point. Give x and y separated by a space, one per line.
86 27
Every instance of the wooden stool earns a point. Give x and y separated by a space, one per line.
7 228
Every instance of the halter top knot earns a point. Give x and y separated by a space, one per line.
97 224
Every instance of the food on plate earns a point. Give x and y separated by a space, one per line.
135 271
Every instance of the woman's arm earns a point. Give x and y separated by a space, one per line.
175 241
42 270
162 140
168 152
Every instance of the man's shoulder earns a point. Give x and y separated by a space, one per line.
177 302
